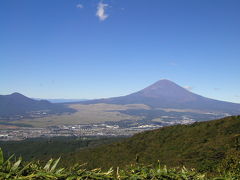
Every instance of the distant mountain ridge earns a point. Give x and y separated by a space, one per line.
167 94
18 104
62 100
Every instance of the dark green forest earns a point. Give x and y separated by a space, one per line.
204 146
45 148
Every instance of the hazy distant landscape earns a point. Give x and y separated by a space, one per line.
119 90
162 104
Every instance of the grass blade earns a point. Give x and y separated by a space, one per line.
54 165
47 166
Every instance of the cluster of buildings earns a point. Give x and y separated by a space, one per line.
81 130
71 130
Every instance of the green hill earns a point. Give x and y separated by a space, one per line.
204 146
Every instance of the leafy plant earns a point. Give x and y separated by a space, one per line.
17 170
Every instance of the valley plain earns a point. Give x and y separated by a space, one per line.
86 114
133 114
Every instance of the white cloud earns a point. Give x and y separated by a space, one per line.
101 14
80 6
189 88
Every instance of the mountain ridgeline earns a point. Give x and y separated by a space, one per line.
17 104
167 94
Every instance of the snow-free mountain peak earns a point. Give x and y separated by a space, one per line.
167 94
167 89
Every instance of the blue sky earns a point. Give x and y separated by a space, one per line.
95 49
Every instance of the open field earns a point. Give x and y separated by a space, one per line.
7 127
100 113
182 110
87 114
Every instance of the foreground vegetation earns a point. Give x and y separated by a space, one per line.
212 148
17 169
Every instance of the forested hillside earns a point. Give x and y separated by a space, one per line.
45 148
204 146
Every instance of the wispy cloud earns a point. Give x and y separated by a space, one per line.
101 11
80 6
189 88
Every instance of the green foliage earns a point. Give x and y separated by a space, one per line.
142 172
202 146
231 163
46 148
17 170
